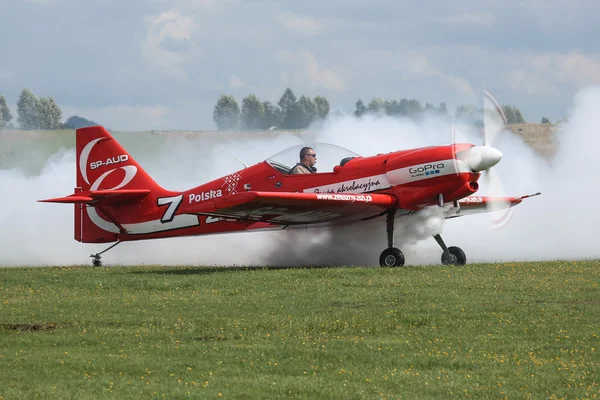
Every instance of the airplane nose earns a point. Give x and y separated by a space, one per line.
483 157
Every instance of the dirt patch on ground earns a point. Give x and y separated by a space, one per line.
541 137
28 327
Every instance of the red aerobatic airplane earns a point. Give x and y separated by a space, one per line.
116 200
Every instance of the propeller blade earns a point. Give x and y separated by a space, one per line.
499 218
493 118
494 122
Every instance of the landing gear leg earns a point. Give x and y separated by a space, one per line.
391 257
96 257
452 255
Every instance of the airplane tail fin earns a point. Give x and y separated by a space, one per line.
102 163
113 192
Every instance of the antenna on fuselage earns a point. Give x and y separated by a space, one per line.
243 163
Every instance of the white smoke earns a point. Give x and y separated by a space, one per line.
559 224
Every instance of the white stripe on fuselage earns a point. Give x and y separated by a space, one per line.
395 177
361 185
424 171
179 222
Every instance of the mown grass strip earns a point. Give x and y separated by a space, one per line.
490 330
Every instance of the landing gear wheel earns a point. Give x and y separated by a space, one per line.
454 256
391 257
96 257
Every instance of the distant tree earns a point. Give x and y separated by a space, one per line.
5 115
49 113
322 106
253 112
360 108
271 117
519 116
226 113
442 108
76 122
306 111
391 107
466 112
376 106
27 110
513 115
414 108
287 104
545 120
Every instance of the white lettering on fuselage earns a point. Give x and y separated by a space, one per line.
209 194
471 199
360 185
109 161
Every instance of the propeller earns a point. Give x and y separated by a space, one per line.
483 158
494 122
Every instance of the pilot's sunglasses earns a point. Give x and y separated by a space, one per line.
312 155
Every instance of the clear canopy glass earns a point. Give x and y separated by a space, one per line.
328 156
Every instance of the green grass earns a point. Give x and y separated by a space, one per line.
525 330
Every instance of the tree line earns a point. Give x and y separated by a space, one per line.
414 109
289 112
293 113
38 113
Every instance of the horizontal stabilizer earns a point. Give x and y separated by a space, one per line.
109 196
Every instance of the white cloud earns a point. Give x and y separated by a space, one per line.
533 84
312 72
469 19
163 31
460 85
236 82
301 24
578 68
42 1
417 65
540 74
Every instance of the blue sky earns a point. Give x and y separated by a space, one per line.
161 64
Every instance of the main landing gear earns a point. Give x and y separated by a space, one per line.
96 257
393 257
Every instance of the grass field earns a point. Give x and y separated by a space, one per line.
523 330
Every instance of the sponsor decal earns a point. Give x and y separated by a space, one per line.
426 170
345 197
109 161
209 194
430 170
471 199
362 185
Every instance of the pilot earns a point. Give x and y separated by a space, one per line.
308 159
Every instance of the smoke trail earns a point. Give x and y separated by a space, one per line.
560 224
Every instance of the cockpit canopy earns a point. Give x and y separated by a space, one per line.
328 156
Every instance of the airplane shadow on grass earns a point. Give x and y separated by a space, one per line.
216 269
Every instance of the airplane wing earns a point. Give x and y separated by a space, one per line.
482 204
298 208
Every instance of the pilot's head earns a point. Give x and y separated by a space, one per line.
308 156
